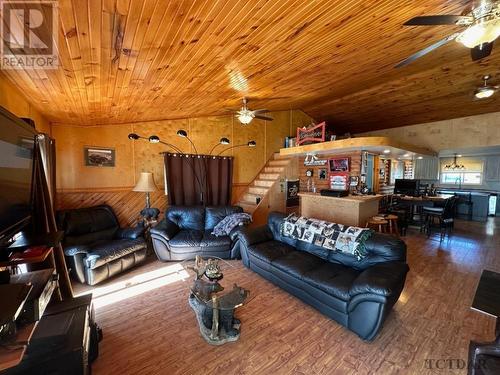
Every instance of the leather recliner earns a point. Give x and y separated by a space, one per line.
357 294
95 246
187 231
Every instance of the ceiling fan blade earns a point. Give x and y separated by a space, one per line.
264 118
481 51
261 111
439 20
426 50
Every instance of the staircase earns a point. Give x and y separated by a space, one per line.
266 187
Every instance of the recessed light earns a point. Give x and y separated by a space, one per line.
387 151
420 157
459 155
406 155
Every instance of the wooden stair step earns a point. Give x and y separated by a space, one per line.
264 183
278 163
278 156
269 176
258 190
274 169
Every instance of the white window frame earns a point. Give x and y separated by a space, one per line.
462 174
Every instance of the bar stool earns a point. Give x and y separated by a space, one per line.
380 225
393 224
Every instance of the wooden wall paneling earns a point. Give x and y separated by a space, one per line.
126 203
14 101
276 131
248 160
147 156
71 170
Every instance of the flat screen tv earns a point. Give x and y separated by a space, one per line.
16 170
406 187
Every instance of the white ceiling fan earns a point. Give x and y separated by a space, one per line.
245 115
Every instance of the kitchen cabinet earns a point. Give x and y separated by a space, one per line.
492 168
427 168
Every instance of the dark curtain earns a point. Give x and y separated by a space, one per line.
193 180
44 176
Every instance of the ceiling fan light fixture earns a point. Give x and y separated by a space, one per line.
484 32
484 92
245 118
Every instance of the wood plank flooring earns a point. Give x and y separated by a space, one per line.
150 329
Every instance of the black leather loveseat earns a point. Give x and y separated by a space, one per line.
187 231
357 294
95 246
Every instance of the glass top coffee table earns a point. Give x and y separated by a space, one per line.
214 300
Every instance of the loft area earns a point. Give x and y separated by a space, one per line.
204 187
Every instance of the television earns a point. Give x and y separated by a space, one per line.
406 187
17 141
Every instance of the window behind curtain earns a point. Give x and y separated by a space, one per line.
471 175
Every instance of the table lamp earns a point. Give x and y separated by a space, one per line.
146 184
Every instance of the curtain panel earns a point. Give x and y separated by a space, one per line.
194 180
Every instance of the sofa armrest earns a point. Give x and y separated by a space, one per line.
75 250
166 229
385 279
253 236
75 258
235 232
129 233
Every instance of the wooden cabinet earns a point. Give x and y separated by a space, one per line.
427 168
492 168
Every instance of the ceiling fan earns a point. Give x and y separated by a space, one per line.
483 27
245 115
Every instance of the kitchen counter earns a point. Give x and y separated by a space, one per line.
353 210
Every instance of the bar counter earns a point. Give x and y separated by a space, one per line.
354 210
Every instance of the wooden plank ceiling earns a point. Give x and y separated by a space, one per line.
137 60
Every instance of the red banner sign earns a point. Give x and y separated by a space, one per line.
315 134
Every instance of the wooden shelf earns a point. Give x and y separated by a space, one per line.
376 145
17 258
12 354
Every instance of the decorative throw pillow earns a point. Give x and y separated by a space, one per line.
226 225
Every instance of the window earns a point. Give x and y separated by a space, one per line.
471 175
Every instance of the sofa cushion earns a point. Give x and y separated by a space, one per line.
191 218
103 252
90 238
333 279
213 215
270 250
210 241
187 238
89 220
297 263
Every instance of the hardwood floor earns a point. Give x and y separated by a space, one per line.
150 329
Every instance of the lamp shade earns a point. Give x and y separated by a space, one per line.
146 183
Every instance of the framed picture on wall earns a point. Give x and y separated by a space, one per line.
339 165
99 156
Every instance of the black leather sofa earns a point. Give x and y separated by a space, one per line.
357 294
95 246
187 231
